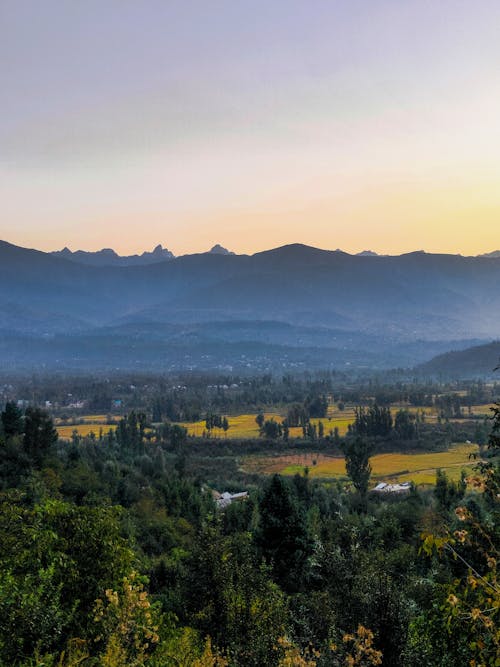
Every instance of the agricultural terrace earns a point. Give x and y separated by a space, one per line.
396 467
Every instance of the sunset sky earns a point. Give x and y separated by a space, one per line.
352 124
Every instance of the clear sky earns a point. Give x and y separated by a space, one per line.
354 124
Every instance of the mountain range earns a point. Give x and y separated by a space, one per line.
109 257
290 307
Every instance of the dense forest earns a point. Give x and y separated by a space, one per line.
116 550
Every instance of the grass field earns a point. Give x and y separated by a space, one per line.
419 468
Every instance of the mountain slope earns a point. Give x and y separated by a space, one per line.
474 361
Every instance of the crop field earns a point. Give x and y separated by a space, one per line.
94 419
87 419
245 426
481 410
65 432
419 468
84 425
241 426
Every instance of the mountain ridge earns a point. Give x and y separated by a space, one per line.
398 299
475 361
109 256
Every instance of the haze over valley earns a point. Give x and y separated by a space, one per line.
290 307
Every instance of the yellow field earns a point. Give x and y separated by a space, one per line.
481 410
242 426
65 432
91 419
94 419
245 426
419 468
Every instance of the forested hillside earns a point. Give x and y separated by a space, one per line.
471 362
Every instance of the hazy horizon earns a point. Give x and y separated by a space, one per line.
353 125
148 249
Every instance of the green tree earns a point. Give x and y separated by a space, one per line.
286 430
282 535
12 420
357 454
271 429
448 492
404 425
316 406
372 422
229 595
39 435
128 624
56 559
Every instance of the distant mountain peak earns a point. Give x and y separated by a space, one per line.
217 249
64 252
109 257
367 253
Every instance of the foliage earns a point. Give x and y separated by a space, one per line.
360 649
12 420
373 421
472 607
294 657
357 454
271 429
55 559
282 535
113 552
128 624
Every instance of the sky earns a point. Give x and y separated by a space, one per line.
356 124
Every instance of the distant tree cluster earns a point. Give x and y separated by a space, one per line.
216 421
131 431
312 407
373 421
